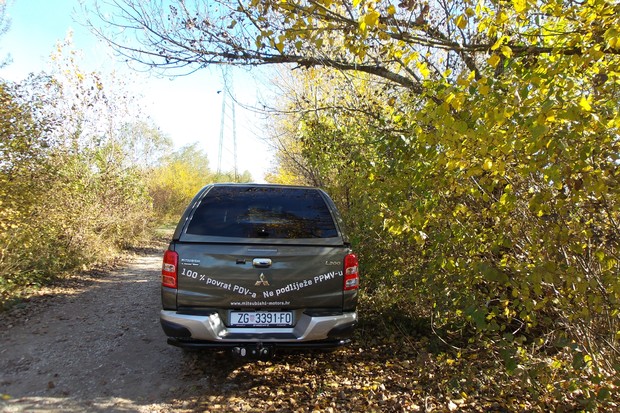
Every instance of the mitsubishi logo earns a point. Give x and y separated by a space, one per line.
262 281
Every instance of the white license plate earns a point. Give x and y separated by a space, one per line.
261 318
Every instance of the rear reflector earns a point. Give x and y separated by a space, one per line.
169 269
351 272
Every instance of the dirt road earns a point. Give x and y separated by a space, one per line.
94 346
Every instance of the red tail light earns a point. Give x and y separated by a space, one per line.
351 272
169 269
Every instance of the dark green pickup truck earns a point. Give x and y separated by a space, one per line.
253 267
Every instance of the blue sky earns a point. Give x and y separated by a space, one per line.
188 108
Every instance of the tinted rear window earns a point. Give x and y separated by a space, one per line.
258 212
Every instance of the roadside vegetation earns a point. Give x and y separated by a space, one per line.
485 206
83 174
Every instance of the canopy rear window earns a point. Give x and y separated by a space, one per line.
263 212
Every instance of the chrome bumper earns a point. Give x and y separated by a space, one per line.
211 328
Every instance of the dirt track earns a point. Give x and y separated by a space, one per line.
94 346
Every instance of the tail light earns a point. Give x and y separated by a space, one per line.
169 269
351 272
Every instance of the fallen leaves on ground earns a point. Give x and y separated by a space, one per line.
392 377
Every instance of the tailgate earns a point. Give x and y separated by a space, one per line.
231 276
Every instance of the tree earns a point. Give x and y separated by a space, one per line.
487 226
71 191
177 178
490 150
403 44
144 143
21 163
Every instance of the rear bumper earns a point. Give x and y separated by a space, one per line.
195 331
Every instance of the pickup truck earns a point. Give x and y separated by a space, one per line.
255 267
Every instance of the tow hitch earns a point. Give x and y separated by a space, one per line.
256 352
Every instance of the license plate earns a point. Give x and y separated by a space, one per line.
261 318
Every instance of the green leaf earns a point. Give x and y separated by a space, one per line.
492 274
603 394
509 361
538 130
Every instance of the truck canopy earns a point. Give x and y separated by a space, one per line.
261 246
